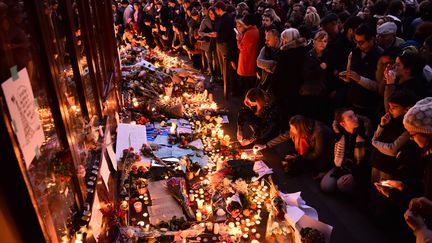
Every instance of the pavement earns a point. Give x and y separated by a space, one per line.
349 215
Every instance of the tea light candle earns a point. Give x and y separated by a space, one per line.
243 155
145 215
209 226
173 128
254 241
253 230
221 134
79 235
257 222
138 206
208 208
198 216
257 235
191 197
200 204
245 236
231 225
216 229
246 229
141 197
213 133
140 223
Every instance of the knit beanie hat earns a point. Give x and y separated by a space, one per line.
419 117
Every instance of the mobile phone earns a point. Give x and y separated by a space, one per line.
235 30
383 184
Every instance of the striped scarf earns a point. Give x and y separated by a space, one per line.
359 150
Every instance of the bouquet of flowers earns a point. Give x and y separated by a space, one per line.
177 187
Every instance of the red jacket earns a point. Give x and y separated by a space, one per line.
248 46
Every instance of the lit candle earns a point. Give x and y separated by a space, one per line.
200 204
198 216
79 235
145 215
138 206
191 197
209 226
140 223
226 140
216 229
243 155
253 230
173 128
213 133
220 134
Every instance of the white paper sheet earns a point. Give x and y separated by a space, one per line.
184 130
261 169
164 206
197 144
110 150
293 214
129 135
24 117
104 171
96 218
161 139
179 152
307 221
294 199
164 152
225 119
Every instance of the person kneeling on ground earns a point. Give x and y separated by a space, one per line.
312 149
260 114
352 144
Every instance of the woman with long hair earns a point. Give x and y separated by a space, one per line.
311 147
260 115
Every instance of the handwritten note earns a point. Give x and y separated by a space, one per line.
129 135
24 117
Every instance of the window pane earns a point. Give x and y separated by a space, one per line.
49 175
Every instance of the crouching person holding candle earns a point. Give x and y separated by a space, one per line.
312 149
352 144
261 115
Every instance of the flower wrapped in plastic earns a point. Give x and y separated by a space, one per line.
177 188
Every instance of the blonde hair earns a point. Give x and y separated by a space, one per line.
320 35
272 14
312 20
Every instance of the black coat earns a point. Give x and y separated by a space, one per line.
288 77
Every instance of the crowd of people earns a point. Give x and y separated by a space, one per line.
358 73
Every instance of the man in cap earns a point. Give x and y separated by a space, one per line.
386 36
